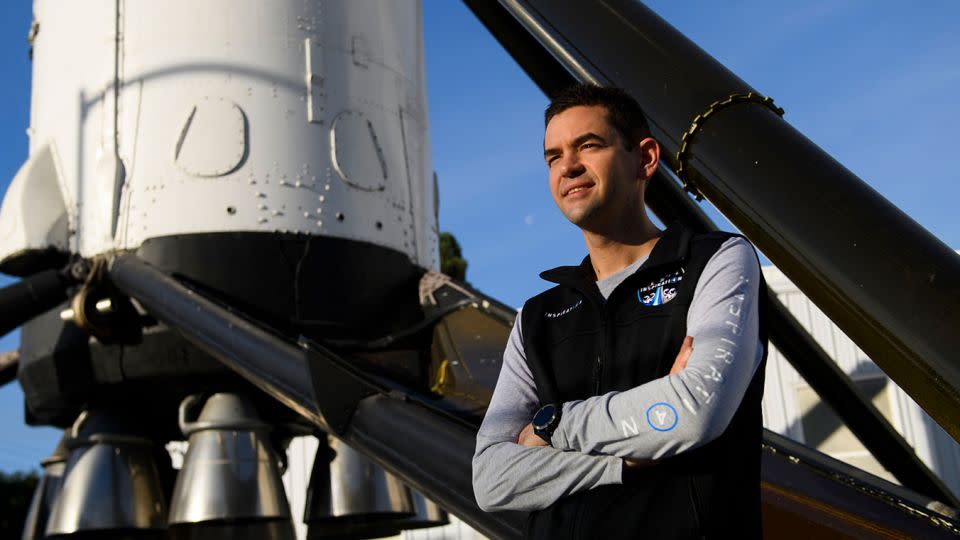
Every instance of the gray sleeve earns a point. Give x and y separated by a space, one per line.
676 413
508 476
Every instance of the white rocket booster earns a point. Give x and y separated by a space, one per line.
154 119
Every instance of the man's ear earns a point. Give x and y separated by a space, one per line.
648 150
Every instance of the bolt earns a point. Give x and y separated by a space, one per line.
104 306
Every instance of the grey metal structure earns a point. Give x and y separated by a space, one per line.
231 471
110 481
46 494
351 495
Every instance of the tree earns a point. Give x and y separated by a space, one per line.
16 491
452 262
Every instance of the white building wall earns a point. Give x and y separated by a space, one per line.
300 454
784 386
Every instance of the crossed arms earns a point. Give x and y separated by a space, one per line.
596 435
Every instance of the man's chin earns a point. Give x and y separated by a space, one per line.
579 214
583 220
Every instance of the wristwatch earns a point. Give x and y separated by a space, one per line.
546 421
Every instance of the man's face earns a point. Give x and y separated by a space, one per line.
594 177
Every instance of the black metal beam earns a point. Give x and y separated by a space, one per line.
423 448
816 367
804 473
9 363
553 69
29 297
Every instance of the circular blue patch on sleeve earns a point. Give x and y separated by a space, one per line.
662 416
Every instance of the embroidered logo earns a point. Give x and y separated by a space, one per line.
562 312
660 291
662 416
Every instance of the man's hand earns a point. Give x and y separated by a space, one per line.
637 464
686 349
528 438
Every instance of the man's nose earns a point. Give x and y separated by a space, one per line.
570 166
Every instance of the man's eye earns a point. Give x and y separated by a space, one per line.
550 160
589 145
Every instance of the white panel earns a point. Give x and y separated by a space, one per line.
300 455
35 213
357 154
314 79
455 530
213 139
781 412
73 73
296 478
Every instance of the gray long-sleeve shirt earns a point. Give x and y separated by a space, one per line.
661 418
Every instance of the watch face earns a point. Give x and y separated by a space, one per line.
544 415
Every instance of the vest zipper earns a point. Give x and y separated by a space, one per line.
597 369
697 507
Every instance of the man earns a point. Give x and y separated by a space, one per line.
628 404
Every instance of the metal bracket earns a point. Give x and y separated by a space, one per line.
686 142
337 386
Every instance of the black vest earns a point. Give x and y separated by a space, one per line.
577 345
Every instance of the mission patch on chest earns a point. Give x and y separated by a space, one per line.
660 291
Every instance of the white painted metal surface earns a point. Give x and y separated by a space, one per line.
180 117
785 392
36 213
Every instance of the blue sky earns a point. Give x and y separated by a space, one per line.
872 83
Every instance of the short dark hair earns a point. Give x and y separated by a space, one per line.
623 112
